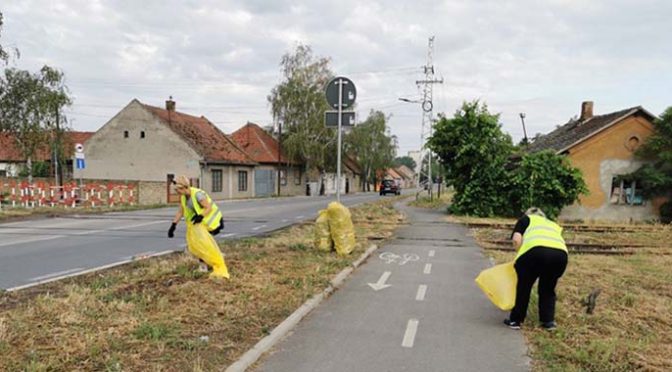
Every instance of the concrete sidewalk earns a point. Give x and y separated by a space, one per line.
413 306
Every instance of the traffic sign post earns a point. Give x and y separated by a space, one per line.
341 93
331 118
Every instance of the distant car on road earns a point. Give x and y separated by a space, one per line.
389 187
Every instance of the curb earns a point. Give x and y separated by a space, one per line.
279 332
94 269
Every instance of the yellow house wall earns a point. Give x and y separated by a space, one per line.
602 157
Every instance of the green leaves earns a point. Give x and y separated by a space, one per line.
370 142
488 180
655 178
298 102
31 107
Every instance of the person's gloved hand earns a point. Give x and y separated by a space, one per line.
197 219
171 231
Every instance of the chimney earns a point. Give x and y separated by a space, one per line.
170 104
586 110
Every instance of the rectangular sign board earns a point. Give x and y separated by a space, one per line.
347 119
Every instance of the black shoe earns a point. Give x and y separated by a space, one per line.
512 324
549 326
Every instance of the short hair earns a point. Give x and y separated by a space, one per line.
535 211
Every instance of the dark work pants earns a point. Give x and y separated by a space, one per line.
547 264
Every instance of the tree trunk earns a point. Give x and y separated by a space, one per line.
29 164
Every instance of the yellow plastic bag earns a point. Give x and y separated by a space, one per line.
202 245
342 230
322 236
499 284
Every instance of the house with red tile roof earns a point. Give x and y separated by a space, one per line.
603 148
12 161
147 143
274 168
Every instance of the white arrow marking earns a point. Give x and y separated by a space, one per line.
411 330
381 282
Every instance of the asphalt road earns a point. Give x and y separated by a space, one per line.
413 306
40 249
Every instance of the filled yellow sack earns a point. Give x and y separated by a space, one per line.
322 236
342 230
499 284
202 245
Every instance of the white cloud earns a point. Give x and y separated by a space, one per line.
221 58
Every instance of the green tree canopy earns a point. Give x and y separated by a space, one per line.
478 159
405 160
545 180
655 177
474 151
31 106
298 103
372 144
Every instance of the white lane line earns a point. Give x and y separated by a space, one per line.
258 227
32 240
299 217
80 233
409 335
284 220
422 290
428 268
431 253
47 276
228 235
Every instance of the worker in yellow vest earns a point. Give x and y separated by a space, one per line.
197 207
542 254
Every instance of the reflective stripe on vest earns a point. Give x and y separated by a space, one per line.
211 220
542 233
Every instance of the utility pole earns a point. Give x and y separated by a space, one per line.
280 157
427 113
522 119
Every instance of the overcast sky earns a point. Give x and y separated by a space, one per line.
220 59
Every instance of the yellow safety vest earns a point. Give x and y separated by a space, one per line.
542 233
211 221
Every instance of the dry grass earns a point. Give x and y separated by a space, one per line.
435 203
162 315
631 328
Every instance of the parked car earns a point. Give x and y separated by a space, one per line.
389 187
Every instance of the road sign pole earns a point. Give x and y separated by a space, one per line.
340 119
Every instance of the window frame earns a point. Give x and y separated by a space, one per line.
217 184
242 180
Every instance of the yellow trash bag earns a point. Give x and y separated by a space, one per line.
202 245
499 284
342 230
322 236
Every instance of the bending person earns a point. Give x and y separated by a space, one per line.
542 254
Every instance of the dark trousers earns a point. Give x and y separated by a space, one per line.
546 264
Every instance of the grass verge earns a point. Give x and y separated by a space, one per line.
161 314
435 203
631 327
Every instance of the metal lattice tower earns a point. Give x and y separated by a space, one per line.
427 114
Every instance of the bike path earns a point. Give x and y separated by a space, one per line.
430 317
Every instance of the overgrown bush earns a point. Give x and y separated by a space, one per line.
544 180
477 157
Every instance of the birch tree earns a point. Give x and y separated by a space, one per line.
298 102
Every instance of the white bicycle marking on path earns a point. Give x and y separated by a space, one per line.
390 258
